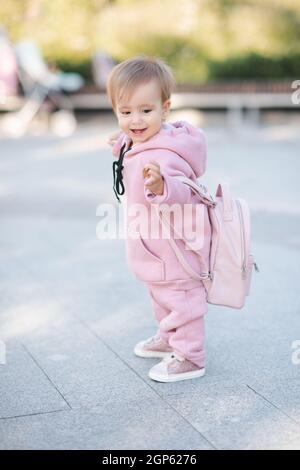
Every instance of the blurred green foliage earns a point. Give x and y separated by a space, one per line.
201 39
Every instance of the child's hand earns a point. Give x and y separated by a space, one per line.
113 138
154 180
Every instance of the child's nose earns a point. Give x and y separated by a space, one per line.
136 118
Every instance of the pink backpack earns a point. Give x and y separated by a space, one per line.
227 278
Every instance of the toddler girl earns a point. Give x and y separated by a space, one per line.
151 153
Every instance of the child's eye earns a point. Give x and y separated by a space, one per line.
125 112
147 110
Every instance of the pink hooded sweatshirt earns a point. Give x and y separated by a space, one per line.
180 149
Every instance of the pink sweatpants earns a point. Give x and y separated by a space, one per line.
179 309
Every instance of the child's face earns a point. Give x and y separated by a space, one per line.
141 115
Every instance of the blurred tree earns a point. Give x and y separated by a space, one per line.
201 39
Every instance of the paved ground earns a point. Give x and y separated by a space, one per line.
71 313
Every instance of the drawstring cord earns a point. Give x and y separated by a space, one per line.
117 174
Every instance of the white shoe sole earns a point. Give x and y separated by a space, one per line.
177 377
138 351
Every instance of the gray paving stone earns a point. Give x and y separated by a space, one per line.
84 370
293 445
24 388
283 393
232 416
143 424
27 307
69 298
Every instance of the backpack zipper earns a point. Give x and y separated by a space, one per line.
244 266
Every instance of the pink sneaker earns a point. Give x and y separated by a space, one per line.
174 368
152 347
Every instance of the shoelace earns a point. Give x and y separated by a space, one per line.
118 185
154 339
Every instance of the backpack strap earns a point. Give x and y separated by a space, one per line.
223 191
206 199
198 189
205 275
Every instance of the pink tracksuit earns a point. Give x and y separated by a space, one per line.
179 302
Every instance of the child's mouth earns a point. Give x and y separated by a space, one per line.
138 131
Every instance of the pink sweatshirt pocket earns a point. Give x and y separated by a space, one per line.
145 265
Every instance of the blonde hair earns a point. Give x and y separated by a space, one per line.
127 75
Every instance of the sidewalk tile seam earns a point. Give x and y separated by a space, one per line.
45 374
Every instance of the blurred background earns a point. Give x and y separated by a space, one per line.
227 55
67 298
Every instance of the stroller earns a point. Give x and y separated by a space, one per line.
8 68
41 87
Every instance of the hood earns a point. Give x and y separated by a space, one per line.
187 141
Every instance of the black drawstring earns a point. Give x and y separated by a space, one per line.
117 174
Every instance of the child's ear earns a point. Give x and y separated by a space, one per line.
166 107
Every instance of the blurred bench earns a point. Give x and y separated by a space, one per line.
233 97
